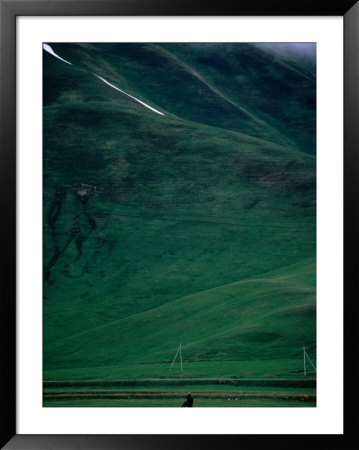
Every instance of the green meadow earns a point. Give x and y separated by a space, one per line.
195 227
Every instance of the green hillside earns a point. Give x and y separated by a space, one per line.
196 226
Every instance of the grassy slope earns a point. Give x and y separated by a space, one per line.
250 319
277 91
150 71
202 234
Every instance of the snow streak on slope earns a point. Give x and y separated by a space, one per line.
49 49
134 98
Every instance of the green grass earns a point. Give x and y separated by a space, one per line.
172 389
282 368
234 402
245 309
198 226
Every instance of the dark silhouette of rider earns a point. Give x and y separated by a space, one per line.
189 402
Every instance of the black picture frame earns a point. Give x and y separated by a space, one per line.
9 10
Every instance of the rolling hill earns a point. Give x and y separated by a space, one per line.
179 193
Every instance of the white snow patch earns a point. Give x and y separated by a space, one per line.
49 49
134 98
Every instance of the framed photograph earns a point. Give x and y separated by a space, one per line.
173 197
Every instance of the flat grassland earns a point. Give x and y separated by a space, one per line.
270 391
166 395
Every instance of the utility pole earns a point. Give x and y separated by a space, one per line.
181 354
311 362
179 350
305 354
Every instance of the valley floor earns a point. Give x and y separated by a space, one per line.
169 392
210 398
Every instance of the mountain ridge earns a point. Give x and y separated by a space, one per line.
172 215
